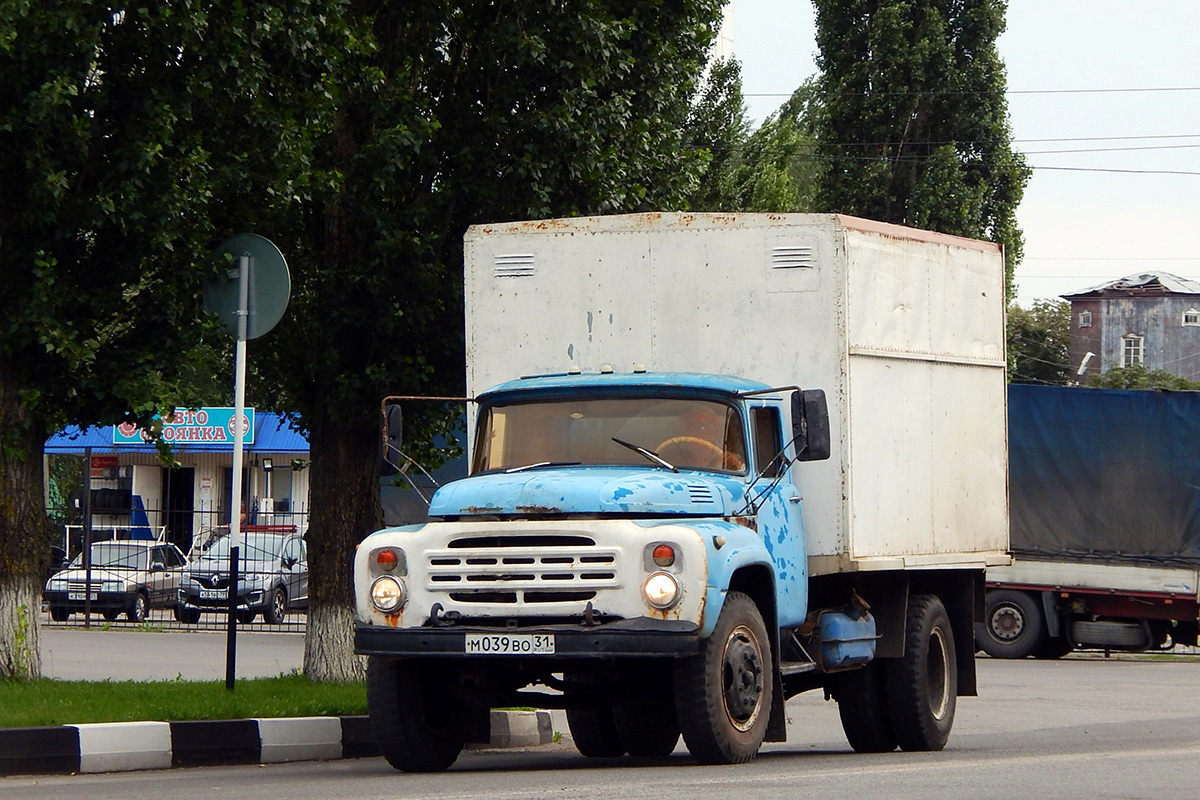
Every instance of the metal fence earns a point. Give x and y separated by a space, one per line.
187 591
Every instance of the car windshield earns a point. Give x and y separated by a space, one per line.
254 547
113 555
687 433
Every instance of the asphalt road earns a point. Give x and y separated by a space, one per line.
1077 728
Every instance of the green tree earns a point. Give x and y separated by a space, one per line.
131 140
718 128
448 114
914 128
1137 376
1038 341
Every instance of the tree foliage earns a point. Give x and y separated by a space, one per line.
131 139
914 128
1137 376
1038 342
447 114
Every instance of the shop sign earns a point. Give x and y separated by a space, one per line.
192 426
104 467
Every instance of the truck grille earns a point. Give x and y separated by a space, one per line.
526 569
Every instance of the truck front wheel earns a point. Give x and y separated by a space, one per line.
723 693
417 720
1012 625
592 727
922 687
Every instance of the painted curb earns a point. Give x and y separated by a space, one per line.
124 746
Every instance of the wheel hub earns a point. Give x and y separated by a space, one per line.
1007 623
742 678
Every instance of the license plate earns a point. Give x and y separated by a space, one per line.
509 644
82 596
214 594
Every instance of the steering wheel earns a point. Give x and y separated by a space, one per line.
719 456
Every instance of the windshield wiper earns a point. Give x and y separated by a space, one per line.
543 464
650 454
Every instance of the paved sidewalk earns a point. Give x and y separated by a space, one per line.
78 654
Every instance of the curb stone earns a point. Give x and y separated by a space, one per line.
123 746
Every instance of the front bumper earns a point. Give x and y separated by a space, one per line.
102 601
255 600
641 637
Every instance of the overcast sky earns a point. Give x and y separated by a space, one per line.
1105 91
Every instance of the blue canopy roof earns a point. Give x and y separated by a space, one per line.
272 434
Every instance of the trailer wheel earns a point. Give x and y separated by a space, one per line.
922 687
723 693
861 696
417 720
1012 625
1054 647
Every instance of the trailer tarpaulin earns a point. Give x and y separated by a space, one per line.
1105 473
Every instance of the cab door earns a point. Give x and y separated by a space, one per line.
779 512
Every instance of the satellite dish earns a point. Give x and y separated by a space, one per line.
269 289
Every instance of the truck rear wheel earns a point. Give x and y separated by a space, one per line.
862 705
1012 625
723 693
922 687
417 720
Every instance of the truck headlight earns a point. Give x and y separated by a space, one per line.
388 594
661 590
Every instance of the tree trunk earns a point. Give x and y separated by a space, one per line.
344 497
23 540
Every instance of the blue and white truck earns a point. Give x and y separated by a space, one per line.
718 460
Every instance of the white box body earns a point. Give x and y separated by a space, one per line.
903 329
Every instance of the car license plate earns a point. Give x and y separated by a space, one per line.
82 596
509 644
214 594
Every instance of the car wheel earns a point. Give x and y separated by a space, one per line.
189 616
276 611
246 615
111 614
138 608
59 614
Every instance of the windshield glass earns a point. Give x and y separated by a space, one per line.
690 434
254 547
116 556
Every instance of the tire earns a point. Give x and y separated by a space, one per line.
59 614
276 611
723 693
862 705
1053 647
138 608
188 616
1012 625
245 615
593 728
111 614
418 722
922 687
647 729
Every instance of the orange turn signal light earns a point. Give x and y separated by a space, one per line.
663 555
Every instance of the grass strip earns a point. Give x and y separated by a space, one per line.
52 702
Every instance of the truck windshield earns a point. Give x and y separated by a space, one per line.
690 434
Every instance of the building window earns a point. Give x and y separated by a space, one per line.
1191 317
1085 319
1132 348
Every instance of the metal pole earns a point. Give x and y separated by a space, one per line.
245 263
87 538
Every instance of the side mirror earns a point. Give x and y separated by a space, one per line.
810 425
391 433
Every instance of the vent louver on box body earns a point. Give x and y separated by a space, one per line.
514 265
792 257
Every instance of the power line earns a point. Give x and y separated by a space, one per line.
1133 90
